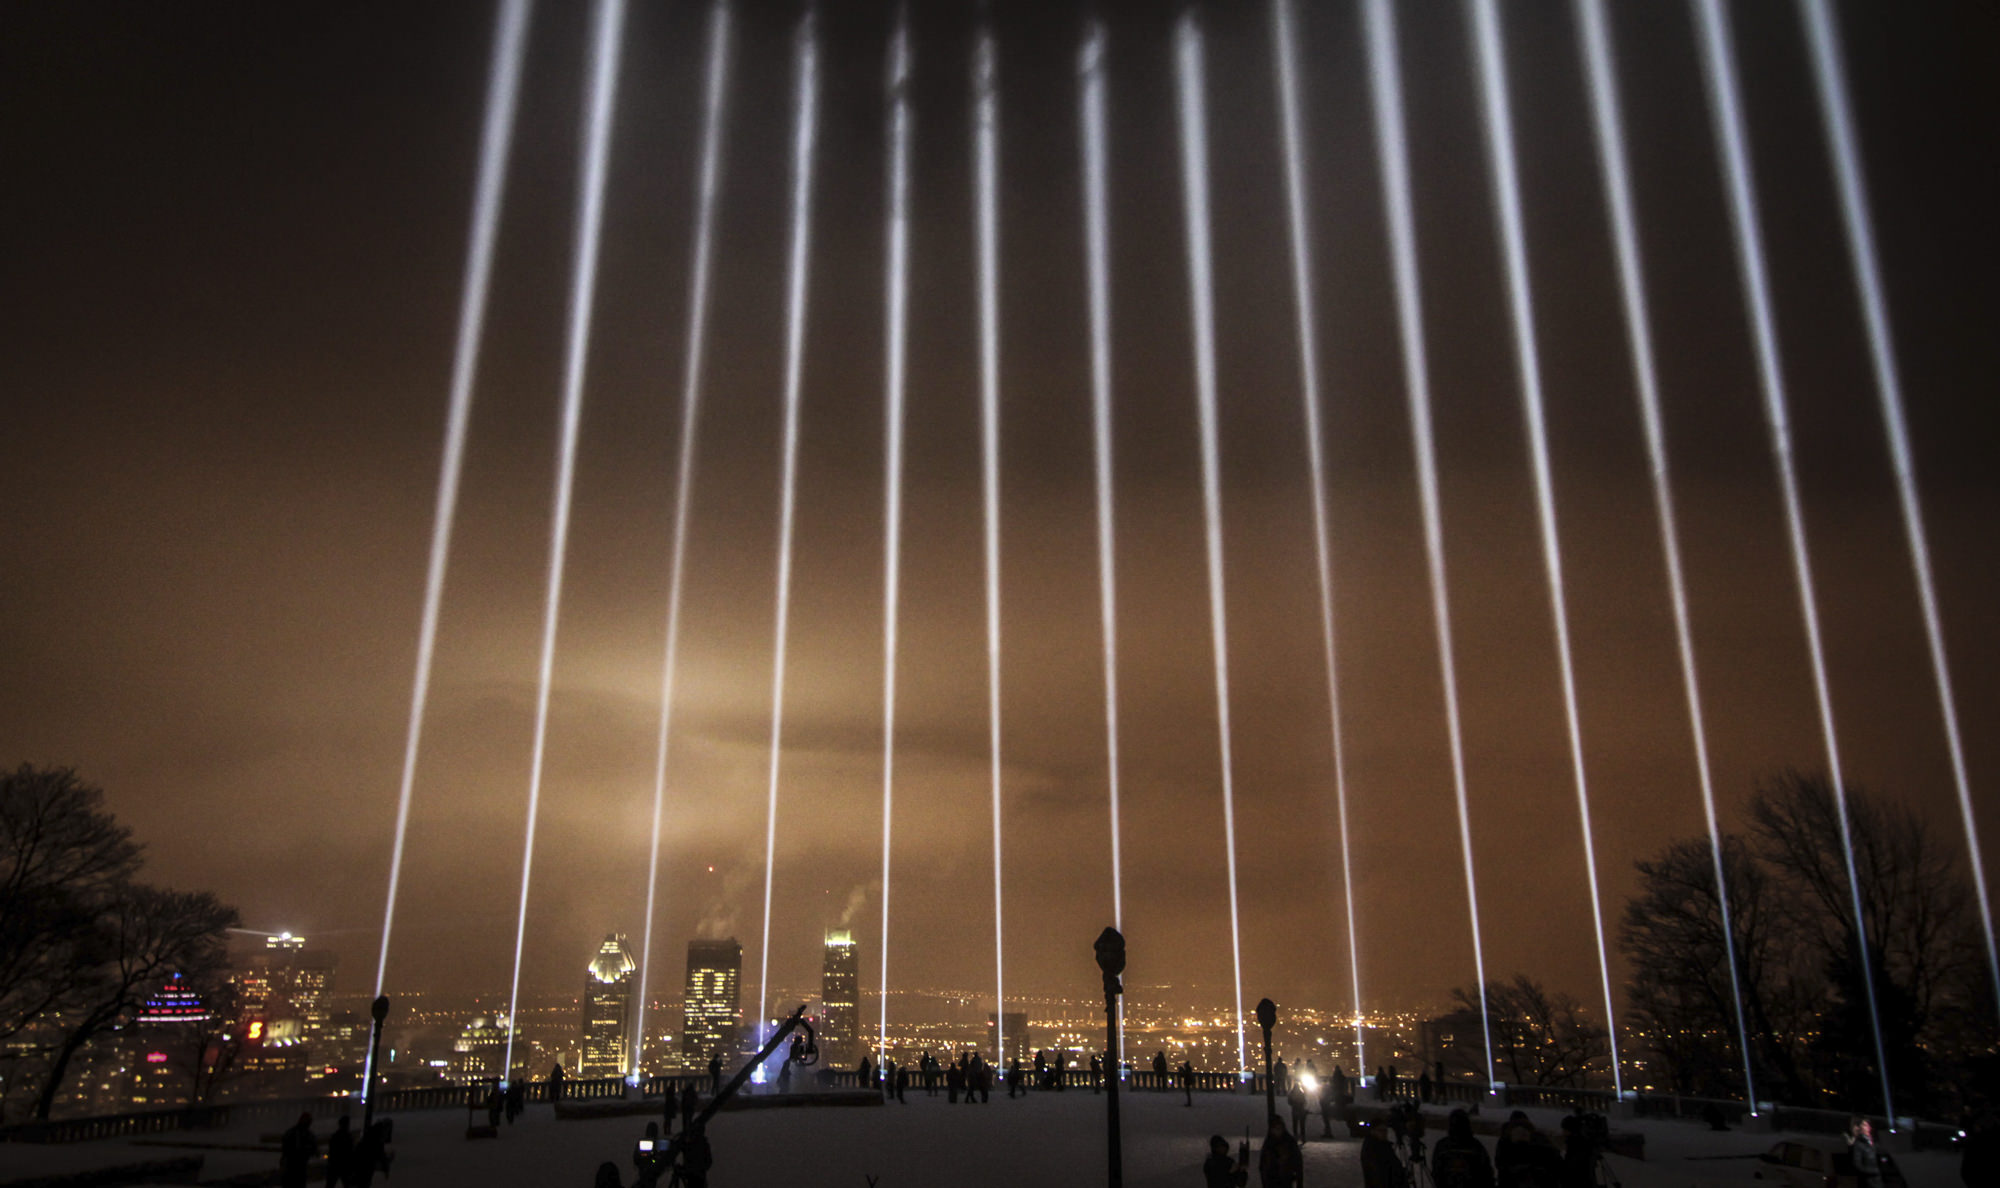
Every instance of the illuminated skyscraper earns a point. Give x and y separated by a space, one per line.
713 1015
840 992
607 1010
284 992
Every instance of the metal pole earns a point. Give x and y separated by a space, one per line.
1267 1018
379 1011
1111 959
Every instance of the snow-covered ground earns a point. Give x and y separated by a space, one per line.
1041 1139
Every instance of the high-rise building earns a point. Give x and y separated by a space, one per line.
840 994
712 1013
607 1010
481 1048
284 992
167 1041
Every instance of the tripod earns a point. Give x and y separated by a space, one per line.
1415 1169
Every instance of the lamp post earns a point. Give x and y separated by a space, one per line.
1111 959
1267 1018
378 1010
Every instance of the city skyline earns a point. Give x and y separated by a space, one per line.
231 392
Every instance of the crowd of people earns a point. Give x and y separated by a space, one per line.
351 1159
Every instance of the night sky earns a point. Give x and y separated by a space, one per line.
235 240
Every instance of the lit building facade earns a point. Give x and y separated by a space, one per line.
840 996
480 1049
712 1011
609 987
285 991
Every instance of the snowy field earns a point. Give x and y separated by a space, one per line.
1042 1139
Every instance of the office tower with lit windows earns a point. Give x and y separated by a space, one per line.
840 997
608 999
284 992
712 1012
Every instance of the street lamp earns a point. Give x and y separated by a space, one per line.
379 1011
1111 959
1267 1018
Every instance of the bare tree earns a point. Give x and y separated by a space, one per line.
1540 1037
62 858
1916 917
1803 985
146 935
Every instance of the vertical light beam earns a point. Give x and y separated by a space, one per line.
608 36
804 136
1595 39
1392 146
896 315
986 135
1725 110
1830 76
1503 166
691 376
503 88
1097 256
1192 91
1284 33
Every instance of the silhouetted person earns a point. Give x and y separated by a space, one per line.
1295 1097
1219 1170
1160 1071
696 1158
1424 1087
1014 1086
1979 1154
1331 1095
902 1083
1096 1073
690 1103
1460 1160
1381 1082
517 1101
649 1157
372 1154
1340 1089
1379 1166
1525 1158
1281 1079
296 1151
1579 1154
1279 1164
607 1176
1438 1077
556 1079
1861 1149
496 1102
340 1153
954 1080
981 1079
864 1074
714 1074
1187 1082
927 1064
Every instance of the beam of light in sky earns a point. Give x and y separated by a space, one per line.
1192 91
503 87
697 337
896 314
1595 38
1284 32
986 134
804 136
608 36
1726 112
1392 146
1503 164
1097 254
1829 74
